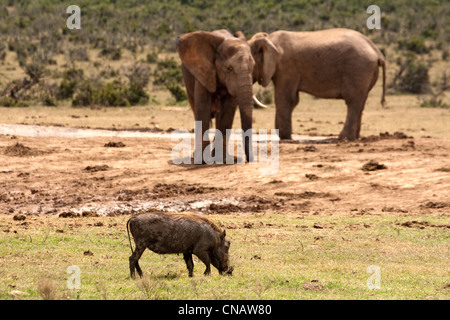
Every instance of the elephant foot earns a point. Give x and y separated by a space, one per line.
285 136
347 137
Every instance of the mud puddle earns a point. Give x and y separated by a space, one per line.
202 205
68 132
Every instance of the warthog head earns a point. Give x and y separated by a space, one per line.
219 256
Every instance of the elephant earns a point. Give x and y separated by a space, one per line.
334 64
217 70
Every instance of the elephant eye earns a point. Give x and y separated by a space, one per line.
230 68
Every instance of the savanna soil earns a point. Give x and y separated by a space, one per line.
387 174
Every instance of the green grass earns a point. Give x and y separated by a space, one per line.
274 256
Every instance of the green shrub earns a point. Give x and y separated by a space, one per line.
178 92
415 44
434 101
69 83
84 95
48 97
152 57
78 54
112 53
168 73
10 102
138 76
2 51
112 94
412 76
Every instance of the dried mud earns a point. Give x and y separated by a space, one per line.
92 176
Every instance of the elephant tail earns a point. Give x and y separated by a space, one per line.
382 63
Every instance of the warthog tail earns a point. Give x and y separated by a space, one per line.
128 231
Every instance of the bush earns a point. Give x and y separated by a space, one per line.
69 83
412 76
78 54
178 92
168 73
112 94
415 44
111 52
138 76
2 51
84 95
10 102
48 96
152 57
434 101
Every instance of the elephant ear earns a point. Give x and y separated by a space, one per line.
266 54
197 53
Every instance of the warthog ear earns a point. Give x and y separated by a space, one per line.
223 234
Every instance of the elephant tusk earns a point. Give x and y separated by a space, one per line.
258 103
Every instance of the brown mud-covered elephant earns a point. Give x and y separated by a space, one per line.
334 63
217 72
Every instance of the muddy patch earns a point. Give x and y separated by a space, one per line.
373 166
435 205
422 225
20 150
111 144
247 204
171 190
384 136
163 190
129 204
303 195
97 168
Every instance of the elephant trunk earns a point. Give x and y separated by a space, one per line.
245 101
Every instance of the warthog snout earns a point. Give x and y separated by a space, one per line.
228 272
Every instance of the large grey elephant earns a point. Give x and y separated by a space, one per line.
217 72
334 63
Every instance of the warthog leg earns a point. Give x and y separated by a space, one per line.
204 257
189 263
134 258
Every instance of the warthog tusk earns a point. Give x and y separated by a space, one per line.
258 103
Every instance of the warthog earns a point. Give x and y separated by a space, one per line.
179 233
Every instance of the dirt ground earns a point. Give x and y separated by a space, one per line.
386 174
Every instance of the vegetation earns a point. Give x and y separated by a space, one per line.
326 257
36 33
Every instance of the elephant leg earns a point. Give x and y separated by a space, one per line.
358 127
202 114
224 121
352 124
189 82
285 102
